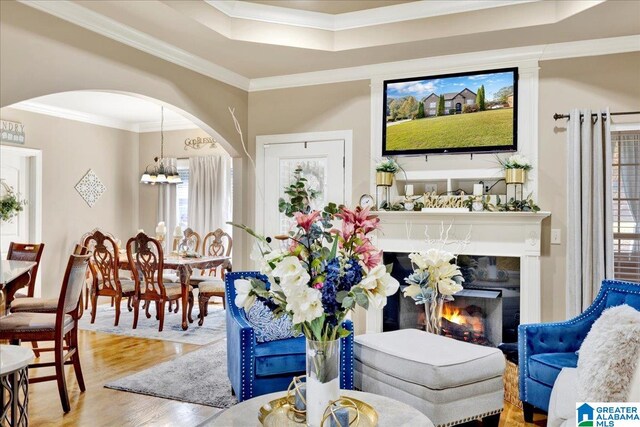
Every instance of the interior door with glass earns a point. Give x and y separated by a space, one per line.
322 164
14 173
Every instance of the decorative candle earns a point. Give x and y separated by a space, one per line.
339 418
301 397
161 228
408 190
178 231
478 190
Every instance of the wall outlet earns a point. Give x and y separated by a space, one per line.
556 236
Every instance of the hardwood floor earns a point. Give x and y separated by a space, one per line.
107 357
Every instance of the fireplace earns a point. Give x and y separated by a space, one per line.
485 312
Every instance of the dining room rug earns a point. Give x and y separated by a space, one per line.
196 377
212 330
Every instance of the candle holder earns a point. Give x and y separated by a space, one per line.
342 412
297 397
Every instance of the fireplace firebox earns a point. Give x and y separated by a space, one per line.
485 312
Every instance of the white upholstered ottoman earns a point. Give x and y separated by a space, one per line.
450 381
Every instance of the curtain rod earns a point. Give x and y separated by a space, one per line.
557 116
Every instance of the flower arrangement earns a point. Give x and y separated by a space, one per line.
517 161
387 165
434 280
10 202
322 273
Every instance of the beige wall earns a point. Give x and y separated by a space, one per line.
173 147
612 80
593 82
69 150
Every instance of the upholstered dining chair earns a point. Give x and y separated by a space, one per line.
256 368
56 327
27 252
104 266
210 282
147 265
544 349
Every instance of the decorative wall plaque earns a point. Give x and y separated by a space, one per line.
199 142
12 132
90 188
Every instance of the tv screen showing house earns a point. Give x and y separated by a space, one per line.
453 113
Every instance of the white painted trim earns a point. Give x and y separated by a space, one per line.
262 140
76 14
351 20
622 127
95 119
35 190
445 63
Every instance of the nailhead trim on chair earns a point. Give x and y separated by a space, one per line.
607 286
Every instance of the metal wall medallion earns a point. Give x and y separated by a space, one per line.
90 188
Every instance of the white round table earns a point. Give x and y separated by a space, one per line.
14 384
391 413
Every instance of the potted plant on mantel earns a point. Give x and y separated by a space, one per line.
515 168
385 170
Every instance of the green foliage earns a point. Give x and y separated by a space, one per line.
503 94
403 108
480 99
300 196
440 111
420 114
10 204
485 128
513 205
409 108
387 165
469 108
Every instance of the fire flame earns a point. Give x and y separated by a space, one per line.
453 315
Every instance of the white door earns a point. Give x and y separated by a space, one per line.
14 171
323 165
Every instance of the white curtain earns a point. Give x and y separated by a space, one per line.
590 216
630 155
209 193
167 196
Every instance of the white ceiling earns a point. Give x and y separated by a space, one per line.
107 109
334 7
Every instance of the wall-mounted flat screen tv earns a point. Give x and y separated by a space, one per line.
453 113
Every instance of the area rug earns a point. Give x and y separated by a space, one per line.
197 377
212 330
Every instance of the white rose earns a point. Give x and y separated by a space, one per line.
288 266
378 285
306 305
243 288
448 287
292 283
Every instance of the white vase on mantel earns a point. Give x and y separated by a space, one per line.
323 378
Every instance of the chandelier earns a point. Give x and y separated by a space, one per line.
163 171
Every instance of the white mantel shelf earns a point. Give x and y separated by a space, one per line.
511 234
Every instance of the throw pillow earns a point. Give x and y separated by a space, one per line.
608 356
268 327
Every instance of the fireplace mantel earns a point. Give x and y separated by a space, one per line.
515 234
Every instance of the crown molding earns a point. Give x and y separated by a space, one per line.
114 30
523 57
94 119
351 20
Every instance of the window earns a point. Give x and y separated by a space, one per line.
471 101
432 105
182 194
447 103
626 205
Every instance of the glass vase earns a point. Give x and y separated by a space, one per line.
433 315
323 378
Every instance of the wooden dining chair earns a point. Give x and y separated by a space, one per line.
57 327
216 243
89 281
26 252
104 266
147 265
194 240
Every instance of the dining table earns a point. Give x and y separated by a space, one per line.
184 266
13 276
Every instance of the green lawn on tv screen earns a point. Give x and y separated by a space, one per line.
484 128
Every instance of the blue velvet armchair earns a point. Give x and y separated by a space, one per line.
545 348
256 368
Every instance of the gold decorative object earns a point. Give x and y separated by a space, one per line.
433 200
515 176
278 413
384 178
331 413
295 391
